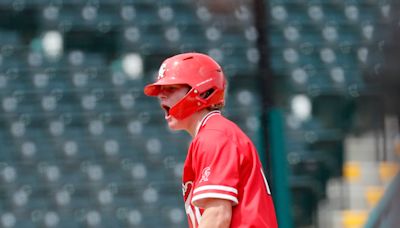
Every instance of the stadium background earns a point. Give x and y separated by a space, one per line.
315 84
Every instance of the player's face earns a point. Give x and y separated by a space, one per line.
170 95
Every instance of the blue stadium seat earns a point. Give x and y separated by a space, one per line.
94 151
130 217
70 16
8 219
8 175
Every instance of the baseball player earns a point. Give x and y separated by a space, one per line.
223 180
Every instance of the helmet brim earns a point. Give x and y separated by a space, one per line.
152 90
155 88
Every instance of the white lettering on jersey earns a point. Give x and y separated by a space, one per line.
205 174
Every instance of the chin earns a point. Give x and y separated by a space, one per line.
173 124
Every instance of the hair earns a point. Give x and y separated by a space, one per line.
215 107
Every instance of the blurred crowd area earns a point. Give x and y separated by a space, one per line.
81 146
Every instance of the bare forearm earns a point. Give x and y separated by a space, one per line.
215 218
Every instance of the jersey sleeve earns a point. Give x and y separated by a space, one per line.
217 169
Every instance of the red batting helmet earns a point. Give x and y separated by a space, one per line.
200 72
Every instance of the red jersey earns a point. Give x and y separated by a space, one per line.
223 163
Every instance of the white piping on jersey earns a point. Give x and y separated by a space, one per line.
205 118
198 215
188 206
215 195
216 187
190 213
265 182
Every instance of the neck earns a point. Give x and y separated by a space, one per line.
196 121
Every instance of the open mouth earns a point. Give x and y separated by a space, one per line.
166 109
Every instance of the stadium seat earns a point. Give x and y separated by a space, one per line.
387 171
9 176
356 218
77 128
8 219
373 195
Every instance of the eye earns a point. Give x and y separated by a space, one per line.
170 89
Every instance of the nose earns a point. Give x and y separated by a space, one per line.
161 94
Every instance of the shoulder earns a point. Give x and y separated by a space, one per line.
219 132
212 138
219 128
